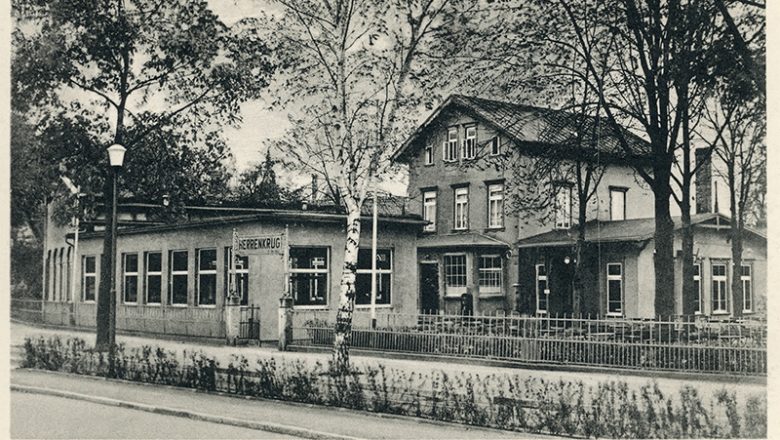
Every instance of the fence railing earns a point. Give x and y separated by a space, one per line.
679 344
27 309
249 324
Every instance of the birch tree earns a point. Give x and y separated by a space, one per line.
356 72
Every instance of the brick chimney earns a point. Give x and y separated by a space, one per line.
703 181
314 189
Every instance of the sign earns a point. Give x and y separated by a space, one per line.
260 244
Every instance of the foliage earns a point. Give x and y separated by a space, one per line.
502 401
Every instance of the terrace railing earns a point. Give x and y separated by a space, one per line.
27 309
674 344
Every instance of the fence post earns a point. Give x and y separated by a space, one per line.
285 322
232 319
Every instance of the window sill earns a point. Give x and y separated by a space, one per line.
428 164
87 301
495 229
430 232
206 306
322 307
491 295
459 230
615 315
720 313
153 304
129 303
368 306
180 306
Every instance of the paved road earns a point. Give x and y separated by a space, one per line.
669 386
40 416
307 417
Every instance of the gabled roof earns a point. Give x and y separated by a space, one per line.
532 126
642 229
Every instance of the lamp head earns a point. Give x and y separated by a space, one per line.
116 155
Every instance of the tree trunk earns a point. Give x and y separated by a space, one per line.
343 331
664 253
579 253
736 244
106 277
688 293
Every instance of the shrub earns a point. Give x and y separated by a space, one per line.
512 403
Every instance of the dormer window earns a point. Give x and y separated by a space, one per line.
428 154
470 143
451 146
495 147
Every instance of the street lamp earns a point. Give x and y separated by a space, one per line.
116 157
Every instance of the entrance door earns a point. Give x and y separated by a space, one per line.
429 288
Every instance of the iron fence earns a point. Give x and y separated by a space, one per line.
27 309
249 324
675 344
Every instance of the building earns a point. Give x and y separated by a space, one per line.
463 163
172 278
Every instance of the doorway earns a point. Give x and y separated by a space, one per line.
429 288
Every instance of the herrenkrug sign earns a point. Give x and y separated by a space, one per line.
261 244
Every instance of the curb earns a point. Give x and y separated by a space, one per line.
260 426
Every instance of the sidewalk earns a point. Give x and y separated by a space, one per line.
298 420
669 386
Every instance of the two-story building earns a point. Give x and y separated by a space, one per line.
489 236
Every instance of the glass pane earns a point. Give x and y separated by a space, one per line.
153 289
89 289
179 261
309 288
207 289
363 288
746 271
207 259
382 259
154 261
131 289
719 270
615 289
89 262
308 258
614 269
131 262
541 270
179 289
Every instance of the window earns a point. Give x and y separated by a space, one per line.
461 208
429 210
470 143
207 277
153 277
491 274
697 287
495 147
48 275
563 207
719 288
496 205
428 155
177 293
242 275
384 272
614 289
309 276
88 278
617 203
451 146
747 288
130 286
542 289
455 274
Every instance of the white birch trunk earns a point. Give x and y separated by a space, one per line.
343 330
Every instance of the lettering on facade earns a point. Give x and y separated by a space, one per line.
260 244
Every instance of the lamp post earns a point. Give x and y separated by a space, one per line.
116 157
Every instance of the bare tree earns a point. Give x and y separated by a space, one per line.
355 71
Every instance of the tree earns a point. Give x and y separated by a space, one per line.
354 69
130 58
258 186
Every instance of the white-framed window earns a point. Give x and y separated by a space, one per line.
697 288
495 205
542 290
495 146
130 278
88 278
384 275
178 277
207 277
470 143
747 288
153 285
242 275
309 275
720 292
455 274
491 274
451 145
429 210
461 211
562 206
428 154
617 203
614 288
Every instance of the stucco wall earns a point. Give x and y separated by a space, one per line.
266 272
